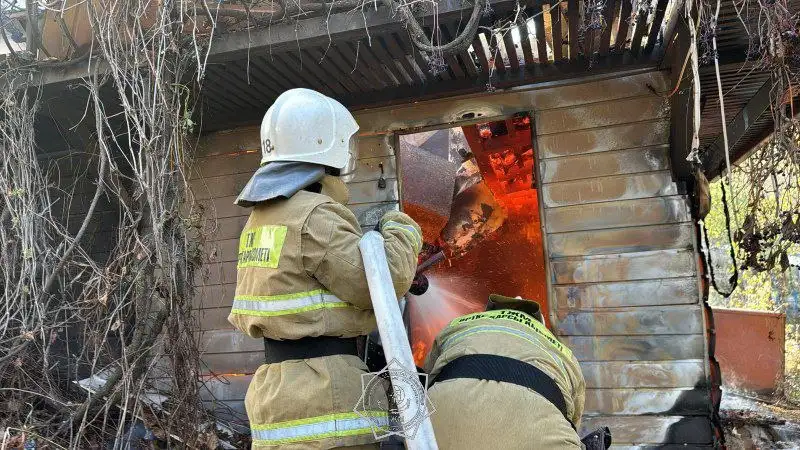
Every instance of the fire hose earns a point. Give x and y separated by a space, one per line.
414 414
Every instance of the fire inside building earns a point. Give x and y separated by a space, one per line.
472 190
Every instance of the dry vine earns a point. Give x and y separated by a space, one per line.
770 222
122 319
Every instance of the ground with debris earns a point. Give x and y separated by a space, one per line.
753 424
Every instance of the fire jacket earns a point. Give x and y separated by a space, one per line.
300 274
482 414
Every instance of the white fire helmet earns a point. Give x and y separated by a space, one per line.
306 126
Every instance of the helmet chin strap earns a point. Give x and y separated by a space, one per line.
335 188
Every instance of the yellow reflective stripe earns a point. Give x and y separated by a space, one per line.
269 298
284 312
408 229
279 305
321 427
522 319
327 417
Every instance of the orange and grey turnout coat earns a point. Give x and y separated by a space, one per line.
300 275
479 413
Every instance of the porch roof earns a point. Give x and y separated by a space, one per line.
364 57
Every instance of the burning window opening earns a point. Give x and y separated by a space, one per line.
472 189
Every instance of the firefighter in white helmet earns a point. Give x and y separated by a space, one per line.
301 283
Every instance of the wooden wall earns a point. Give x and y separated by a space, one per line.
622 262
621 247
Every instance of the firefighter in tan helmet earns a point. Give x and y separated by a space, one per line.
301 283
501 380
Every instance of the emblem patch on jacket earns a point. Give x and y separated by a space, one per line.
261 246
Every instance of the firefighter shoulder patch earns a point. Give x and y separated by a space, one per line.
261 246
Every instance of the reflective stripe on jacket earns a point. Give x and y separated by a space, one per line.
322 427
300 271
470 411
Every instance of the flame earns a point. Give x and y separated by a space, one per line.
509 261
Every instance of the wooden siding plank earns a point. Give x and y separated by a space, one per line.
652 320
223 229
644 430
212 274
633 266
672 291
221 186
601 114
229 141
369 192
621 240
369 169
655 374
375 145
618 137
214 318
215 296
636 348
638 212
437 112
605 189
226 164
232 363
648 401
222 251
229 341
226 388
222 207
594 165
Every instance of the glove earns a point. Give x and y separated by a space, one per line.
600 439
